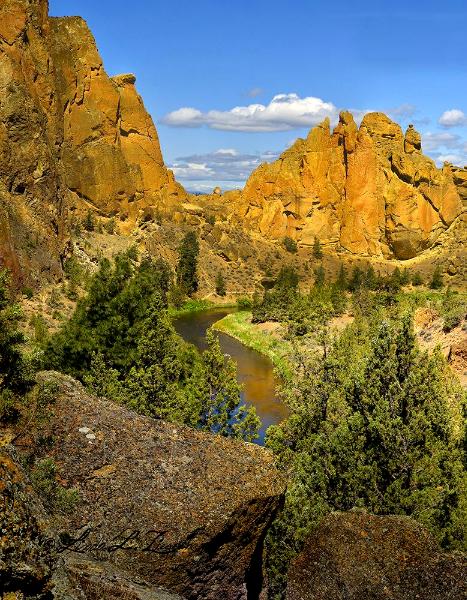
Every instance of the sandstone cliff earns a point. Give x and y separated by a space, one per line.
71 138
368 191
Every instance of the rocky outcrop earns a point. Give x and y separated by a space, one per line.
368 191
71 139
32 193
353 556
111 154
27 544
174 507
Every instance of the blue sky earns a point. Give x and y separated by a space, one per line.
299 60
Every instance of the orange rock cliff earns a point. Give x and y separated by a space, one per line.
367 190
71 139
74 139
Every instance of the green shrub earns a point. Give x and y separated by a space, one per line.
28 292
89 222
317 251
244 303
436 282
55 497
110 226
220 285
290 245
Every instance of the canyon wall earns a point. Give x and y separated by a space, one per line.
71 139
366 190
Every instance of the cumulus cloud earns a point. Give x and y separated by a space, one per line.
453 118
284 112
436 141
445 146
225 167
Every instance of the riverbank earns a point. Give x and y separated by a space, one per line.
194 306
239 326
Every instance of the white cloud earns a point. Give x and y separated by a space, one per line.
456 159
284 112
434 141
453 118
201 172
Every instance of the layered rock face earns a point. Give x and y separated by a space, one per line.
111 154
32 193
353 556
161 503
366 190
71 138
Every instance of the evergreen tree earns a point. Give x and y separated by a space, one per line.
187 275
220 284
317 251
436 282
341 281
417 279
89 222
223 412
290 245
375 423
319 276
356 280
14 372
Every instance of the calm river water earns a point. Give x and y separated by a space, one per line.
255 371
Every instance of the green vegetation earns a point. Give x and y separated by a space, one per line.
376 424
436 282
15 369
190 306
55 497
238 325
317 251
187 276
290 245
89 222
121 343
220 285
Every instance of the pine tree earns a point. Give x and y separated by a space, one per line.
89 221
188 263
220 284
223 411
341 280
375 423
317 251
320 275
14 376
436 282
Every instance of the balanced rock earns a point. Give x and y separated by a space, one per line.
178 508
356 556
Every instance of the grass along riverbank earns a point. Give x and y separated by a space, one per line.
193 306
239 326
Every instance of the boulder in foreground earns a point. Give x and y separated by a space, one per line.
175 507
357 556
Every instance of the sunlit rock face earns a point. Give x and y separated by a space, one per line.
71 139
366 190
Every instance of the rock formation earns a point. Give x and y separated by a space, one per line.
71 138
168 505
368 190
353 556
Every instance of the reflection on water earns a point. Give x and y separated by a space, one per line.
255 371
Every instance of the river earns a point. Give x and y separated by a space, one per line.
255 372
